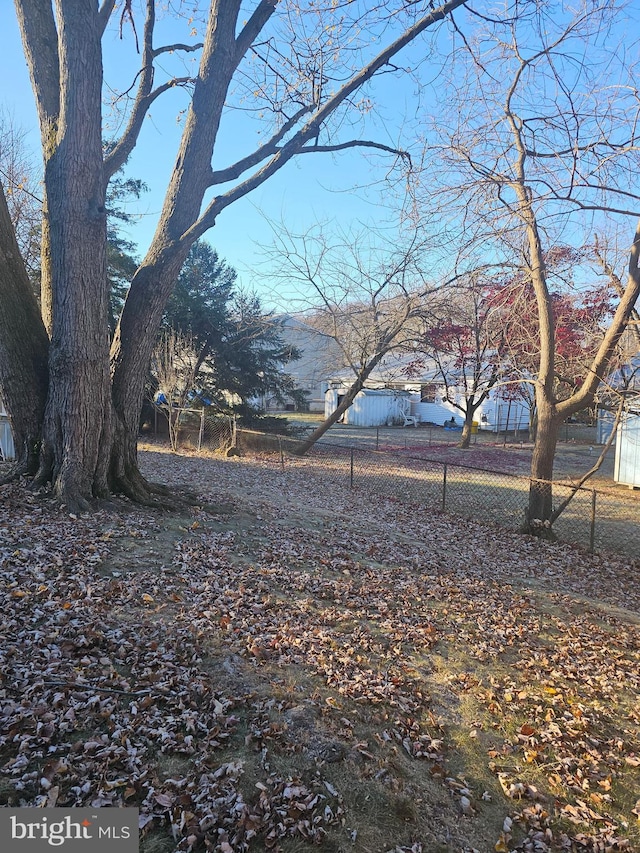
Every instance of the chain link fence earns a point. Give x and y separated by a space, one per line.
595 519
199 429
217 433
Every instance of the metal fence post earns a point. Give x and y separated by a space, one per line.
200 433
444 487
401 471
234 432
592 532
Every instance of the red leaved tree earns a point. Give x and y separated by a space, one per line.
579 318
466 346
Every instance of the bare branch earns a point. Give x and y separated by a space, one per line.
311 129
263 11
40 43
127 12
267 150
634 322
593 470
105 11
600 363
173 48
120 153
356 143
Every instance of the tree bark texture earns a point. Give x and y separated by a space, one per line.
137 329
40 45
23 377
467 426
130 357
540 505
76 430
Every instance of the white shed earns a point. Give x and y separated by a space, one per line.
7 449
371 407
627 463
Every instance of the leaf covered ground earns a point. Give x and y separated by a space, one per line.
311 666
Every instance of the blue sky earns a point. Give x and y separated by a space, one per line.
313 188
310 189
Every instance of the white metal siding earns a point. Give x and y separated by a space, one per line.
434 413
627 464
370 408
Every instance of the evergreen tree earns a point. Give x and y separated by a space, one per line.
240 354
121 258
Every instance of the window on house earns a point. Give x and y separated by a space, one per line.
428 393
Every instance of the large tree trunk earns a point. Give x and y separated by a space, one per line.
540 505
40 44
131 351
23 349
467 427
76 430
136 332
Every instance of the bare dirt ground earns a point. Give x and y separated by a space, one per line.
309 666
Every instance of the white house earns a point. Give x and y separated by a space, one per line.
495 414
319 356
323 374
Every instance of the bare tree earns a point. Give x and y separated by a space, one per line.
175 364
630 343
295 69
579 319
359 293
538 152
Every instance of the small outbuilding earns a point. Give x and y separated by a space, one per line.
627 462
371 407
